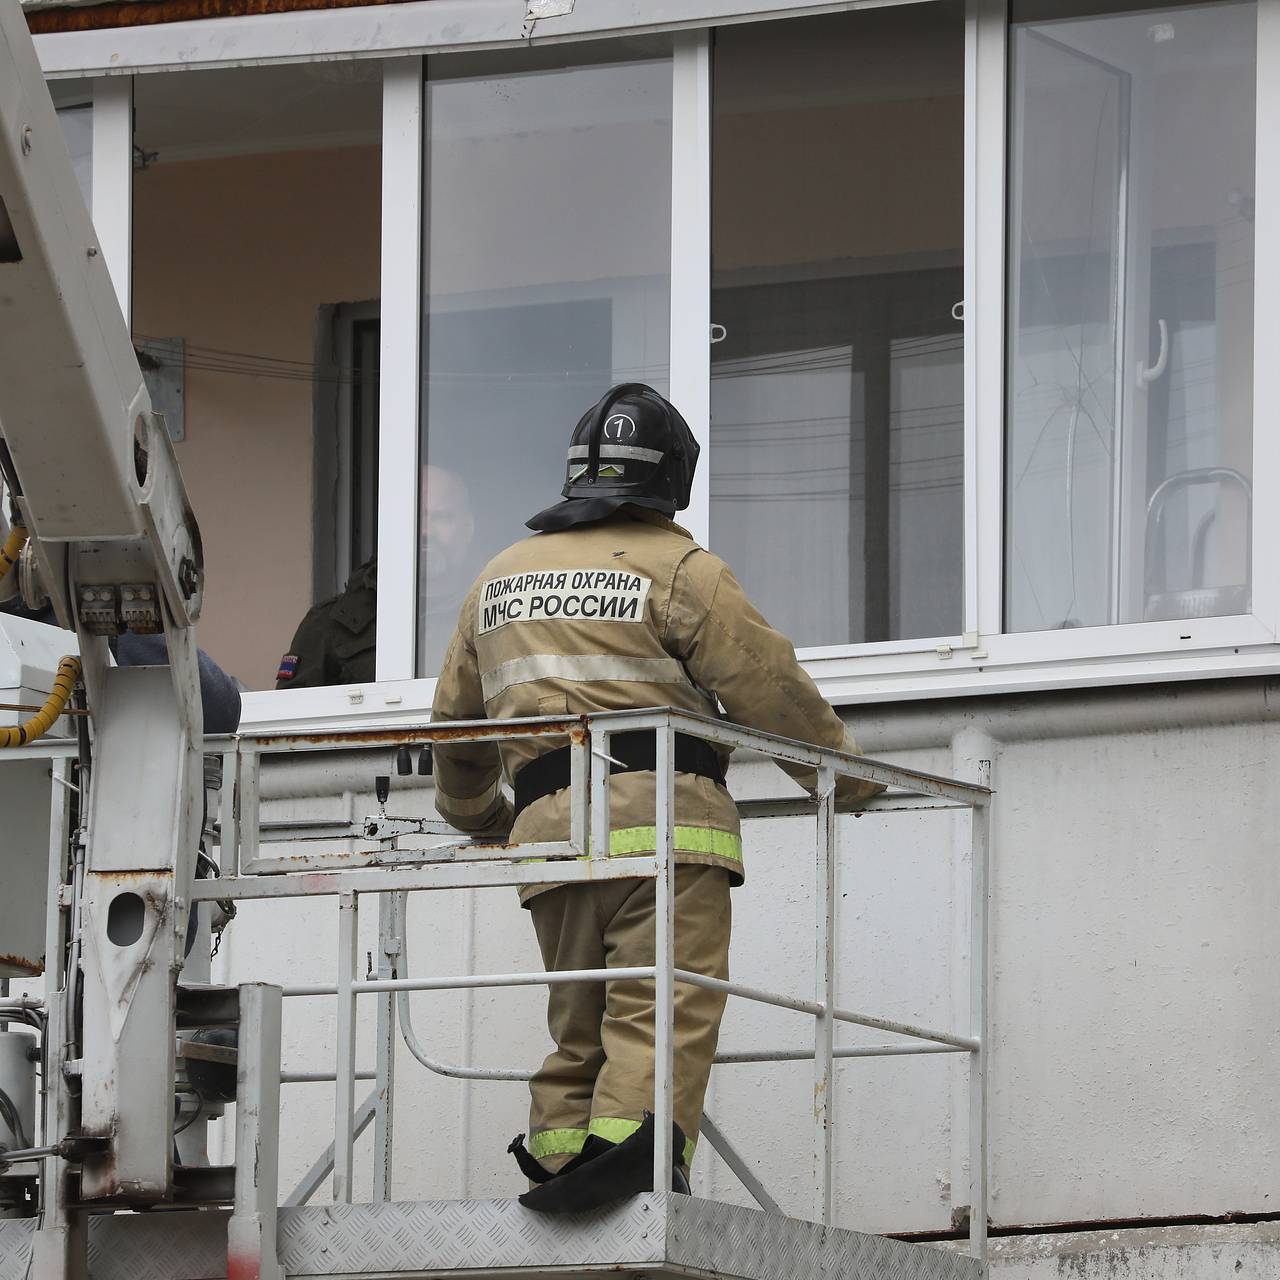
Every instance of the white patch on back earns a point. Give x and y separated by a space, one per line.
576 595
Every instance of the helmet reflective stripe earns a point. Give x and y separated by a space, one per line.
600 417
617 451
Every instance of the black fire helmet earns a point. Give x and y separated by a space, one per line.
631 446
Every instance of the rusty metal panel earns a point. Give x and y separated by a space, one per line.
134 917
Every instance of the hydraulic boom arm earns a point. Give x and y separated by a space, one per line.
95 480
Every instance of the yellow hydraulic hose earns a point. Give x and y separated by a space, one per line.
12 545
42 721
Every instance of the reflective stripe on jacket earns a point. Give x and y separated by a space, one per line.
624 613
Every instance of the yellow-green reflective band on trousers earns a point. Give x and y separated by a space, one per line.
709 840
628 840
556 1142
618 1130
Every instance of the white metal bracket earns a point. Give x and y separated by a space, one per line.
251 1230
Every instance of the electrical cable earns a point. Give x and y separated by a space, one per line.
13 544
195 1115
73 1004
10 1115
20 1011
64 684
249 364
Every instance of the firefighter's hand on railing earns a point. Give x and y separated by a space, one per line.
487 816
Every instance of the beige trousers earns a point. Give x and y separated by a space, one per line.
599 1079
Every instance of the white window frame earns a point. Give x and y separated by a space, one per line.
982 659
1121 653
402 204
112 192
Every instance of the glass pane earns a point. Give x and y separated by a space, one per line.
74 102
256 201
547 279
837 420
1131 317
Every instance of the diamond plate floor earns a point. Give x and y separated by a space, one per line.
653 1236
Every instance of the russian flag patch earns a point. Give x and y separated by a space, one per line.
288 667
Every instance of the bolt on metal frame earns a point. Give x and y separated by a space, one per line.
400 856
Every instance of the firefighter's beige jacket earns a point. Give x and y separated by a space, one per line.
623 613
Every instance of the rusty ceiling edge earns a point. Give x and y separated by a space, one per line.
148 13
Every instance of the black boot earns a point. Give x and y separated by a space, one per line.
528 1165
536 1172
624 1169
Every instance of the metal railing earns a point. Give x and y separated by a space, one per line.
392 857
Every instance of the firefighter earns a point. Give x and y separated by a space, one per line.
611 605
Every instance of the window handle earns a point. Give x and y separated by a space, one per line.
1147 376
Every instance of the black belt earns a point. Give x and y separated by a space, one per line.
637 751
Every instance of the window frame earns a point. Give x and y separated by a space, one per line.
342 449
1147 650
982 659
111 194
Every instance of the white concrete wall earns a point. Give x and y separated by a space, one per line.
1246 1251
1136 1014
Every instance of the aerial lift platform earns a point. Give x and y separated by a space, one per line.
652 1235
108 1179
383 858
